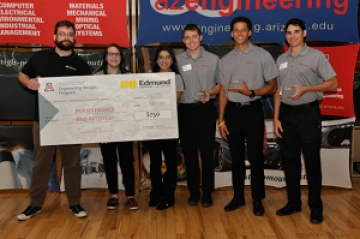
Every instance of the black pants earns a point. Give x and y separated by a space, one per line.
302 133
197 125
246 122
126 161
163 189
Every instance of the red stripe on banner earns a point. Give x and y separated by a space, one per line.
342 59
97 22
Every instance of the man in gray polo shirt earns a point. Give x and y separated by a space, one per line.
197 113
304 73
246 73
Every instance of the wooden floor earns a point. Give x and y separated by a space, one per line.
341 213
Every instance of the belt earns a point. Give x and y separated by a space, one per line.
242 104
302 106
198 103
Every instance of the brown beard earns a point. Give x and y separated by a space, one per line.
63 47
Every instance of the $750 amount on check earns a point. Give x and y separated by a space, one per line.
160 114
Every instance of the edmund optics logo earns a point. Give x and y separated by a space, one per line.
128 84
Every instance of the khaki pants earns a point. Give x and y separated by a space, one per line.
70 159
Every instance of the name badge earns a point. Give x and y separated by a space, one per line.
283 66
187 67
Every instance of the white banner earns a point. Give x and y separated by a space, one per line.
334 154
107 108
335 172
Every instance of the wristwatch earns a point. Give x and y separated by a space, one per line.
252 94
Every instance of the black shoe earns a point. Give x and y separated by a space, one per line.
288 210
316 216
29 212
206 200
234 204
164 206
153 202
78 211
155 198
258 208
193 200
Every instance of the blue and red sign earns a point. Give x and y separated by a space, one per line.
326 20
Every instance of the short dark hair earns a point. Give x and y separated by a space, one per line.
104 65
174 68
296 22
241 19
191 27
64 23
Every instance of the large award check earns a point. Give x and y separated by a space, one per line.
107 108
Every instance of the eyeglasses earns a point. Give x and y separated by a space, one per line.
167 57
113 54
70 34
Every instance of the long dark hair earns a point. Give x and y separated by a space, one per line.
174 68
104 65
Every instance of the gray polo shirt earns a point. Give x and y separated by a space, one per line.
308 67
179 84
254 65
199 74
